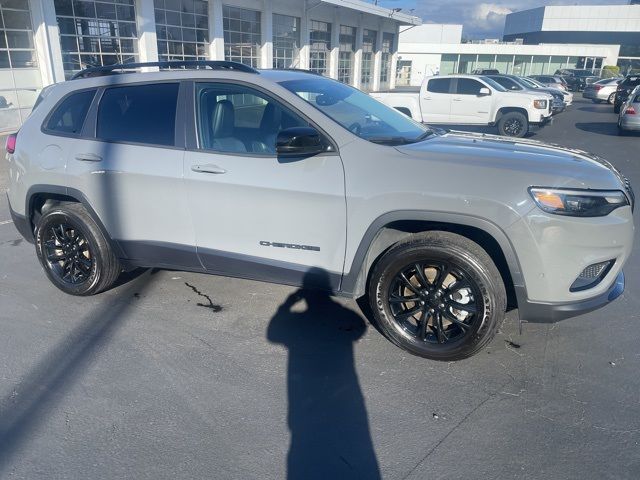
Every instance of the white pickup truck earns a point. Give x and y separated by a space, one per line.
471 100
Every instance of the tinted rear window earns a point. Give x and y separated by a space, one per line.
439 85
139 113
68 117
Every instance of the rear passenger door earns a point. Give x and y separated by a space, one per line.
128 165
436 101
468 106
258 215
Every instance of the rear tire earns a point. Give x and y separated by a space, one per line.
513 124
73 251
459 299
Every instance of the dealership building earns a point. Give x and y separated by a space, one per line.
580 24
47 41
436 49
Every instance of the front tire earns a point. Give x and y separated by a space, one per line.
611 99
73 251
437 295
513 124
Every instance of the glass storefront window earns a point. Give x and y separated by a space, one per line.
286 41
573 62
466 63
557 63
368 50
242 35
485 61
182 29
347 49
504 63
540 65
403 73
448 64
387 52
94 34
320 41
522 65
16 35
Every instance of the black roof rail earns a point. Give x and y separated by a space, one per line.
212 64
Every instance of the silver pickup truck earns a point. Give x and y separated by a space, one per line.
471 100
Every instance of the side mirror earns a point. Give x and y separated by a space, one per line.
299 141
484 91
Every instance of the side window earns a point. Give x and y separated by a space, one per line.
468 86
236 119
439 85
69 116
139 113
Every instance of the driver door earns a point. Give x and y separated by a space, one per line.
258 215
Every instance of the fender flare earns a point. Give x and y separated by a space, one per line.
80 197
353 281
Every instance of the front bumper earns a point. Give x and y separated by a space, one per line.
552 312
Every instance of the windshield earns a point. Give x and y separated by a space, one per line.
533 82
494 84
358 112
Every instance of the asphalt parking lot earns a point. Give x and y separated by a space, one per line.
180 375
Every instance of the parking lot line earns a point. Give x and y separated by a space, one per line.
5 222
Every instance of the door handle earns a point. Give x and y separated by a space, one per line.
457 99
209 168
426 98
88 157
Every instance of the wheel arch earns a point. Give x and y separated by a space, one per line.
504 110
47 196
393 227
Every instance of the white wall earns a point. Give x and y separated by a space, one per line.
431 33
524 21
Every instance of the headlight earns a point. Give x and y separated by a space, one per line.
540 104
578 203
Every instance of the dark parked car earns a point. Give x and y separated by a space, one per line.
624 89
577 78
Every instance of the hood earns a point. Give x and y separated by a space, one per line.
536 162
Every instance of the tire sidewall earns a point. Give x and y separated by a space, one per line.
57 216
483 328
519 116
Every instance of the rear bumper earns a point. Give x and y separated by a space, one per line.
627 124
21 223
553 312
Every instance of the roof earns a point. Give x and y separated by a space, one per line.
361 6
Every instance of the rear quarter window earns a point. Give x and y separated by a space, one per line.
139 114
69 115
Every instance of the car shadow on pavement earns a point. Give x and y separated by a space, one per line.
603 108
602 128
31 401
327 416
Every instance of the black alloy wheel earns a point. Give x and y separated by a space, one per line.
434 302
74 252
513 127
67 253
437 295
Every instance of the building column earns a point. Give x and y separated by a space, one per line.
305 38
377 60
266 26
47 41
357 56
334 57
146 25
216 30
394 58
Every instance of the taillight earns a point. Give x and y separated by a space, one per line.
630 111
597 87
10 146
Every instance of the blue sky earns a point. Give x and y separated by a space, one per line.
480 19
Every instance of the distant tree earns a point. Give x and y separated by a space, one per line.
609 71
